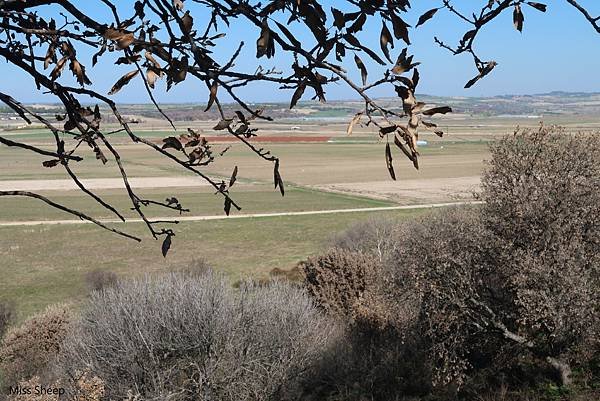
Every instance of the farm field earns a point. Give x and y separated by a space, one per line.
42 265
332 172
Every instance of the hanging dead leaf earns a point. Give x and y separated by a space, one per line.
187 23
58 68
404 63
293 40
233 176
166 245
121 37
277 178
223 124
298 94
362 68
124 80
338 18
518 18
151 76
415 78
78 71
388 161
426 17
212 95
173 143
400 28
538 6
50 56
489 66
437 110
353 122
150 57
50 163
385 39
358 24
227 205
265 45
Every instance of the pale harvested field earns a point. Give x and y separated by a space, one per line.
411 191
101 183
447 172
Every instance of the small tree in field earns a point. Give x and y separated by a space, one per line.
173 40
519 276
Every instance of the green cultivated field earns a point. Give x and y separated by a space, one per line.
201 202
42 265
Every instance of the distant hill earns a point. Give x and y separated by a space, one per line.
538 105
543 104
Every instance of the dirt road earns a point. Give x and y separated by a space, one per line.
238 216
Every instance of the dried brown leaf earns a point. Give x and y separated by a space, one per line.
124 80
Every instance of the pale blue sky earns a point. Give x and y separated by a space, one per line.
557 50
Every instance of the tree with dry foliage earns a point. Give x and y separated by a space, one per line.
163 39
519 277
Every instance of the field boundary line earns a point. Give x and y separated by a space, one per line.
242 216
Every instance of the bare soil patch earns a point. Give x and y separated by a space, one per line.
411 191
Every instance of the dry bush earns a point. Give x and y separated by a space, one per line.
293 275
181 338
26 350
98 280
7 315
511 289
377 236
343 282
197 267
503 295
373 364
541 188
542 199
87 388
443 261
378 358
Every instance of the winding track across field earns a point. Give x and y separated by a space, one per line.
240 216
